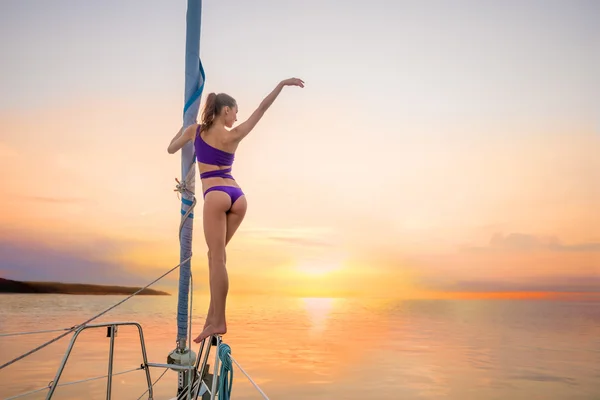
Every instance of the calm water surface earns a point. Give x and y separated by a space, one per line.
324 348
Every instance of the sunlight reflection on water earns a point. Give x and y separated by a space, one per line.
323 348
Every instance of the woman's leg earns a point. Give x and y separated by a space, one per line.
235 217
216 205
234 220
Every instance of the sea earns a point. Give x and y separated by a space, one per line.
318 348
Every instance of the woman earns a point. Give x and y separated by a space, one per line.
224 202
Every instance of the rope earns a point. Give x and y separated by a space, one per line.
155 382
91 319
32 332
185 187
28 393
250 379
73 383
191 310
225 380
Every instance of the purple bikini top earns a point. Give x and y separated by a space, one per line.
207 154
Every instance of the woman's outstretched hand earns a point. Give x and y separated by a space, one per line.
293 82
245 127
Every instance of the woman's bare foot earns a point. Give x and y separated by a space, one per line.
211 330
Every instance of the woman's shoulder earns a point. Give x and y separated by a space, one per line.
192 131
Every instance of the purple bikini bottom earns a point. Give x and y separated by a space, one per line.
233 192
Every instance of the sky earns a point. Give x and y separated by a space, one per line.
439 149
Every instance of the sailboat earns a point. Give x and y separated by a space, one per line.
193 378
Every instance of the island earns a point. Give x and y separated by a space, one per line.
11 286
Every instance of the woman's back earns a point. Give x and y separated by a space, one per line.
215 148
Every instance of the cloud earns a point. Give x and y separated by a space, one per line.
525 242
53 200
554 284
85 261
515 262
302 237
301 241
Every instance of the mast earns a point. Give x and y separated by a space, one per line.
194 85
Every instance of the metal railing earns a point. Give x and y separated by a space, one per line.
196 385
111 332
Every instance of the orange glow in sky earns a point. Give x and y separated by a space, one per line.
399 173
